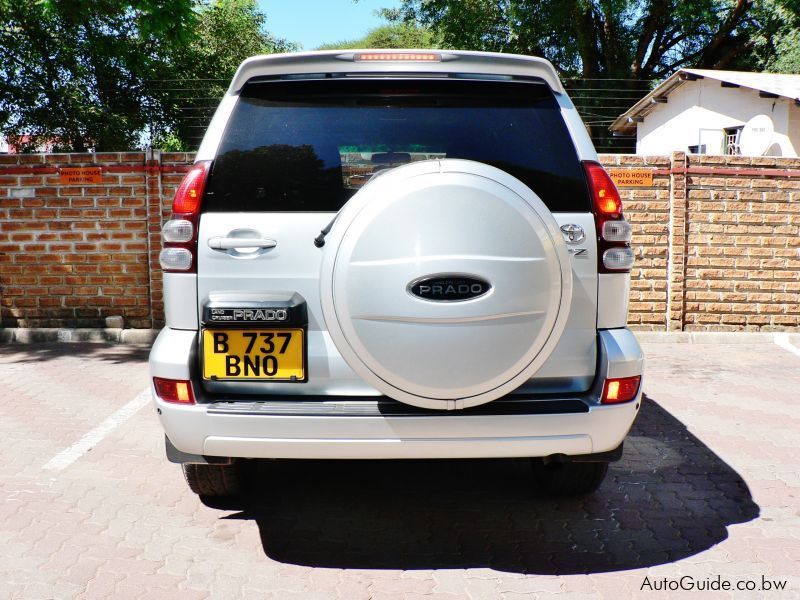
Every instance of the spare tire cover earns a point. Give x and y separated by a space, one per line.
445 283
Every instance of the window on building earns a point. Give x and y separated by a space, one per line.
732 140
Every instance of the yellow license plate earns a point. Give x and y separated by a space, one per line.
264 354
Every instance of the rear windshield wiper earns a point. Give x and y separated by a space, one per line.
319 241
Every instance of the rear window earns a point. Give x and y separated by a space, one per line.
310 145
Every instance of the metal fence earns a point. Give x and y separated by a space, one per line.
600 102
191 104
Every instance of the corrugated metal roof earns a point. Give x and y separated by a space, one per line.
780 84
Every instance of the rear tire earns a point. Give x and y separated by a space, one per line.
568 478
214 481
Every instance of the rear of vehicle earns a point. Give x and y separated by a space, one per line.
396 255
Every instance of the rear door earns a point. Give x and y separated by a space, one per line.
294 152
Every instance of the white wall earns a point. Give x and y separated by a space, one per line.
705 105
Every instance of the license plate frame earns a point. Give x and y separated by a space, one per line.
241 335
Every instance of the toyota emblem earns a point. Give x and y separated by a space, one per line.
573 234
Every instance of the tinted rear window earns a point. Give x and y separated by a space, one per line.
310 145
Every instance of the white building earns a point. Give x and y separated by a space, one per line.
717 112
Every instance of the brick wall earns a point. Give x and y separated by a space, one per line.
742 269
717 243
73 254
171 168
716 240
648 211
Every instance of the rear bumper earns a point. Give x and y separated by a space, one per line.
225 429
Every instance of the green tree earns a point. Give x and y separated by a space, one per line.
627 39
784 54
393 35
76 71
787 57
225 33
103 74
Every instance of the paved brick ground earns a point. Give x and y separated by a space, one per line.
709 486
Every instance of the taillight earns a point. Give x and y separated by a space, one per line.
178 230
623 389
614 251
179 234
177 391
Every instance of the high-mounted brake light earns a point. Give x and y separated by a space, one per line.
177 391
623 389
180 232
398 56
613 231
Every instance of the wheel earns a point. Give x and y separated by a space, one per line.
214 481
568 478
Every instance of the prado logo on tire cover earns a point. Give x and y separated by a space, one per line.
449 288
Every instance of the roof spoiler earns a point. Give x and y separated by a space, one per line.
396 62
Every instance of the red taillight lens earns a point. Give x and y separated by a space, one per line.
179 255
614 254
604 193
622 389
190 191
178 391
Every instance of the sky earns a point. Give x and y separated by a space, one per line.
315 22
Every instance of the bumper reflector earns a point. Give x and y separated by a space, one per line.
620 390
178 391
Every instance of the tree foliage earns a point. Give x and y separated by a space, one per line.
224 34
227 32
787 58
786 55
626 39
101 73
394 35
76 71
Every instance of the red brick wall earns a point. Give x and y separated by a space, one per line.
171 168
72 255
716 241
648 211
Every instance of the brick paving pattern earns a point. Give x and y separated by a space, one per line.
708 486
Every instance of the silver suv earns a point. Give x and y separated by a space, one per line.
405 254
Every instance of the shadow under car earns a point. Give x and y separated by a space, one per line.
668 498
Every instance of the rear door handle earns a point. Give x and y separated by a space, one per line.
232 243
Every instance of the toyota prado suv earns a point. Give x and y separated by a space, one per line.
395 255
